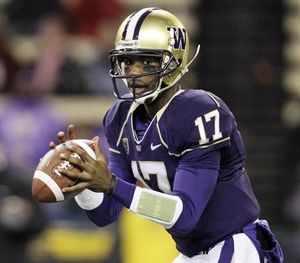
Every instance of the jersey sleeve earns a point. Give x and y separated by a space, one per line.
196 121
110 208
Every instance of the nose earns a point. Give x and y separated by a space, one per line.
136 68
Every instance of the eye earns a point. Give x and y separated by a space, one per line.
125 61
150 61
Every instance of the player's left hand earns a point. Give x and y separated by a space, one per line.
62 137
95 174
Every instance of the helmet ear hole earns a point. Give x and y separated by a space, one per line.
174 64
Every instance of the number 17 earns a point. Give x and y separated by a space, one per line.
208 117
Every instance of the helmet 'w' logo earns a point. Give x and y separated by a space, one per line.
178 37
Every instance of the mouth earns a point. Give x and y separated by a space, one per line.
138 89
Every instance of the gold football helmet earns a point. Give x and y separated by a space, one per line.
156 33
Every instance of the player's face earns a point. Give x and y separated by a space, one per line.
139 65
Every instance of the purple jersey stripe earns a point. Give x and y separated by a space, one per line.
227 251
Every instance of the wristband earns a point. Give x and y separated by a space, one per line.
112 185
89 200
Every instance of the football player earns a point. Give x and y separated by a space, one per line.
182 145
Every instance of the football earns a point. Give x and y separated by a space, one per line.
47 182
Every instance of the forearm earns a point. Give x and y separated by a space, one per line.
109 209
101 209
179 211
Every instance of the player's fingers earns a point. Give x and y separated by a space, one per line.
97 149
71 132
82 154
95 140
95 145
61 137
52 145
74 159
73 175
76 187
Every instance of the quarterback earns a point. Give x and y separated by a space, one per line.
176 155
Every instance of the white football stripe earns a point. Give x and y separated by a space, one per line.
84 146
133 22
51 184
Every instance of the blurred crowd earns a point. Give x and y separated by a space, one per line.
57 46
49 47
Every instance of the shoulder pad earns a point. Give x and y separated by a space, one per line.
195 119
114 119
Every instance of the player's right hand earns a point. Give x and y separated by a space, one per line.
62 138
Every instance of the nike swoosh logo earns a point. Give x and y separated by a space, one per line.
154 147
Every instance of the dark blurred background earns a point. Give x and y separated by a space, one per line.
54 71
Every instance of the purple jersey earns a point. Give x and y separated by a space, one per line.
195 131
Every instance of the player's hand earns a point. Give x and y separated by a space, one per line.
62 138
95 174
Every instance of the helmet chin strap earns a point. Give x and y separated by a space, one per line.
151 97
